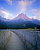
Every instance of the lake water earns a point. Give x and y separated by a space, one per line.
15 43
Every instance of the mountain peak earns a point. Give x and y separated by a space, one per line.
22 16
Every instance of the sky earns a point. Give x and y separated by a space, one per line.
10 9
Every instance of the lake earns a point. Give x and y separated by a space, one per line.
19 39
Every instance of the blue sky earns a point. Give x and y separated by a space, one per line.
12 8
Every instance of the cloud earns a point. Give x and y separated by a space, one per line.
10 2
6 14
23 5
36 13
35 17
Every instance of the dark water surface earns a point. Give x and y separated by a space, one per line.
15 43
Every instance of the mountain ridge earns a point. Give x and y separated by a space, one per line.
22 21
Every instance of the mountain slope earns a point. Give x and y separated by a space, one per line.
3 22
35 21
21 21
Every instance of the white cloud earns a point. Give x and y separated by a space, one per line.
35 17
23 5
36 13
6 14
